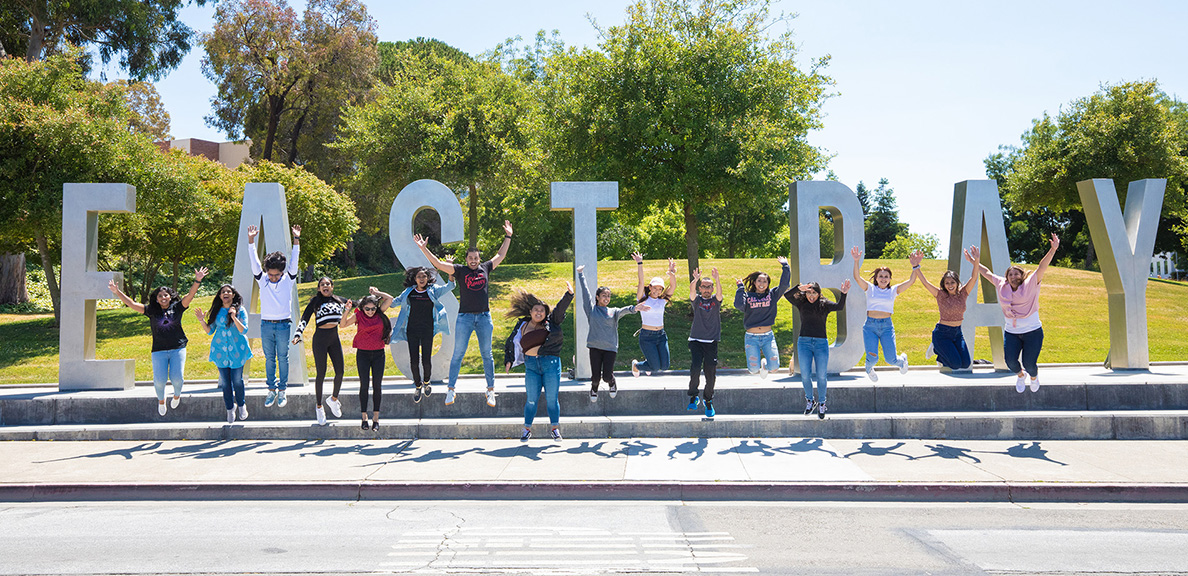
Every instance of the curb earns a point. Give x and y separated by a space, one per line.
1005 492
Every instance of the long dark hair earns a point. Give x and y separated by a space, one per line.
522 304
387 322
410 276
953 275
236 301
820 303
152 306
749 281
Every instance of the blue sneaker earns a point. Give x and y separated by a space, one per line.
709 409
694 402
270 399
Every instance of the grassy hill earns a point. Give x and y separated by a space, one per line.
1072 305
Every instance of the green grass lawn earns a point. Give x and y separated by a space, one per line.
1073 307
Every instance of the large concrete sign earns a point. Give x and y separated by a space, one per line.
1125 243
82 285
805 201
977 221
585 199
418 196
264 206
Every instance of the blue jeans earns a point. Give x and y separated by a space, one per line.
761 344
654 345
274 339
949 345
542 372
879 331
169 365
231 381
1026 345
814 357
467 324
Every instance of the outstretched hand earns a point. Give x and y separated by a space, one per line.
580 268
856 253
972 253
200 315
697 274
111 285
915 258
253 231
507 228
296 231
637 257
642 307
200 273
845 287
1055 241
569 286
420 240
672 266
714 273
783 261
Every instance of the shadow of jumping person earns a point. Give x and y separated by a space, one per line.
1034 451
697 448
869 449
126 453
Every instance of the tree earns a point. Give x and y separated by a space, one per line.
1125 132
685 104
882 223
148 113
281 80
907 242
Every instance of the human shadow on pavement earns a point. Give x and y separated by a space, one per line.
695 447
212 449
1034 451
126 453
950 453
807 445
869 449
637 448
408 455
1021 450
528 451
294 447
389 449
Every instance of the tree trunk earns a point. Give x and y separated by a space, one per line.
691 238
50 277
274 107
1090 255
36 40
349 254
175 265
295 135
309 273
150 276
12 279
472 214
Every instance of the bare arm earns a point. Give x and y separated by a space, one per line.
717 285
971 254
385 298
423 244
671 290
201 316
857 254
115 290
199 274
925 283
1047 259
639 292
347 319
502 253
915 259
694 283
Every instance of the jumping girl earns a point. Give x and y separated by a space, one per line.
164 310
880 304
653 341
948 344
370 343
758 305
229 348
603 337
327 310
704 336
421 317
1018 294
812 345
535 342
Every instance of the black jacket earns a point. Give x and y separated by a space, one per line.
554 323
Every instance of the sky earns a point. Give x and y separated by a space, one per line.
924 90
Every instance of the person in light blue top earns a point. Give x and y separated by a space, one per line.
422 316
229 348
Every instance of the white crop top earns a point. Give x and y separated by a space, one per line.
880 299
655 316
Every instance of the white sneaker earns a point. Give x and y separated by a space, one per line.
231 416
614 390
763 368
491 397
635 368
930 352
335 406
321 414
161 408
270 399
870 373
243 412
593 396
174 402
1021 383
281 399
903 363
449 396
1035 383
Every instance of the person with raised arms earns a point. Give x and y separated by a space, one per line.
880 304
370 344
757 301
536 343
704 335
603 337
474 308
165 310
229 347
327 309
1018 295
653 341
276 279
812 344
422 316
948 343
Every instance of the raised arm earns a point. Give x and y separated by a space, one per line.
138 307
502 253
386 299
253 257
558 316
671 290
347 319
587 302
915 259
639 291
295 253
201 316
740 296
971 254
1047 259
694 283
717 284
925 283
199 274
857 254
423 244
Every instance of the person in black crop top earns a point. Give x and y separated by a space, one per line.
812 345
327 309
536 343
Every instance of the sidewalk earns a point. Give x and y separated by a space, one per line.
643 468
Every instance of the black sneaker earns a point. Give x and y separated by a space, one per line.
614 390
428 389
809 406
526 436
556 434
821 411
417 394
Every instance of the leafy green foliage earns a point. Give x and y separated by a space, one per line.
907 243
882 222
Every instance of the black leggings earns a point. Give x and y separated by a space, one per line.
326 343
602 366
420 355
371 370
703 355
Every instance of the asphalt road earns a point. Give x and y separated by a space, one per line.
525 537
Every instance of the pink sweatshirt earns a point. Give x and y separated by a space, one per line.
1019 303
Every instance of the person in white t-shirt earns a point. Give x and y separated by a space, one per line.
880 304
276 279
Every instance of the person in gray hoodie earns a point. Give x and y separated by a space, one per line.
603 337
757 301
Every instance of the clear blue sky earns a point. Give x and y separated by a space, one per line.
925 89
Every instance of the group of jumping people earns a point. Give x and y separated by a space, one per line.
536 340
